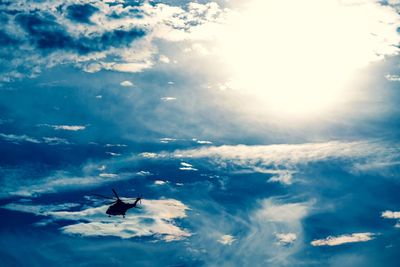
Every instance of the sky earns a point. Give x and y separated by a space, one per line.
259 132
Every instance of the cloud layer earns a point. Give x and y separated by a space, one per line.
155 219
93 35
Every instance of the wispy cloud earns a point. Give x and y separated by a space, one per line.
187 167
393 77
168 98
25 138
167 140
62 181
284 159
73 128
19 138
343 239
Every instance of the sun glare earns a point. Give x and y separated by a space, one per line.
297 57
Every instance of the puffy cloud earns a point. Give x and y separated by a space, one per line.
155 219
392 215
226 240
126 83
284 177
286 238
159 182
164 59
95 35
343 239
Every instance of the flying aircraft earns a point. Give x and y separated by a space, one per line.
119 207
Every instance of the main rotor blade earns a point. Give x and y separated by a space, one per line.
115 193
103 196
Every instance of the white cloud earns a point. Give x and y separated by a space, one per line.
102 167
226 240
39 209
155 219
168 98
273 220
187 167
201 142
282 212
164 59
144 173
286 238
343 239
167 140
69 127
55 141
108 175
185 164
391 214
61 181
393 78
284 177
288 157
113 154
149 155
159 182
115 145
126 84
134 54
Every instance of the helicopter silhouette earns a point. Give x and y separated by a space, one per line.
118 207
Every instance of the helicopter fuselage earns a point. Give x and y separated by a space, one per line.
120 208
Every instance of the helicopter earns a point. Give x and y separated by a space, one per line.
118 207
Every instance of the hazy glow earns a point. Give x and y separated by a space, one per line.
296 57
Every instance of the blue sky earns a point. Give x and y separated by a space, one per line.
259 133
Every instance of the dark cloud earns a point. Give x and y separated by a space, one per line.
81 13
45 33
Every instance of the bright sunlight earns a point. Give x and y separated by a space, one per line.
298 57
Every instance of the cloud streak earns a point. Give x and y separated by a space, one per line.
343 239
